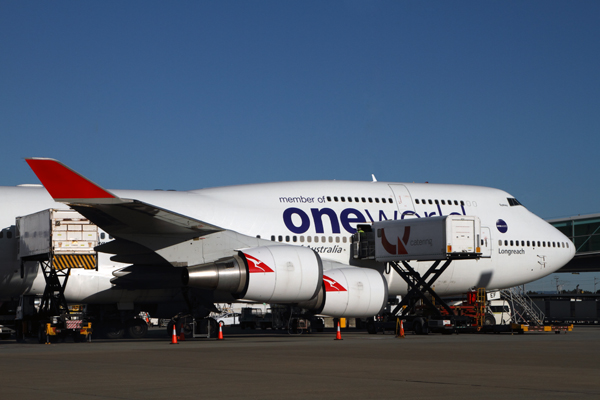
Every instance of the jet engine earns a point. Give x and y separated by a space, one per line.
276 274
350 292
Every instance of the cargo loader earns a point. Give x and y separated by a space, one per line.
58 240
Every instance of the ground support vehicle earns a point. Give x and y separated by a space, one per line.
447 238
6 332
58 240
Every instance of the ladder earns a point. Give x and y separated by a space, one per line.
524 309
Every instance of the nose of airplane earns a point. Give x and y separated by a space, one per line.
565 254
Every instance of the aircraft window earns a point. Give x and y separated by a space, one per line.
443 202
356 199
272 238
390 200
455 202
567 245
511 243
294 239
328 198
436 202
370 200
330 239
462 203
301 239
258 236
349 199
376 200
363 200
335 198
344 239
287 238
280 238
528 243
506 242
543 244
430 202
499 242
337 239
343 199
417 201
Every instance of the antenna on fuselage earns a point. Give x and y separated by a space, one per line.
374 179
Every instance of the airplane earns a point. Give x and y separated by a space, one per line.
278 243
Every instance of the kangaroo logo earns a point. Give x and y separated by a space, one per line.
255 265
396 248
332 285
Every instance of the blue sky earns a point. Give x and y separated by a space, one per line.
183 95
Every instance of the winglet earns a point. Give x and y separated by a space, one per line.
66 185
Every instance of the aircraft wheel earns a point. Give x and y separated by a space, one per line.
137 328
114 330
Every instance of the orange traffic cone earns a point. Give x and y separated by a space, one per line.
220 337
174 336
401 333
338 336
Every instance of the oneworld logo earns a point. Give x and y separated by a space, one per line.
399 248
502 226
299 221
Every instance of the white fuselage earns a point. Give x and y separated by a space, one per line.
518 247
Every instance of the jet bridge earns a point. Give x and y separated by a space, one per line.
438 239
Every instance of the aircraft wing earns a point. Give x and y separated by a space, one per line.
132 221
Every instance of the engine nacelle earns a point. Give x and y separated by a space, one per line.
276 274
350 292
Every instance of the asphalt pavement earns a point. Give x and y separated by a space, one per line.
275 365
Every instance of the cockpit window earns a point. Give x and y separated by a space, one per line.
513 202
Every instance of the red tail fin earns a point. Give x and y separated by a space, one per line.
64 184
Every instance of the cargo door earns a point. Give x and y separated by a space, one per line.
486 242
402 198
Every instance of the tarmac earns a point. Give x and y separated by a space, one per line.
275 365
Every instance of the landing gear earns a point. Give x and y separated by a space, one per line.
114 330
137 328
